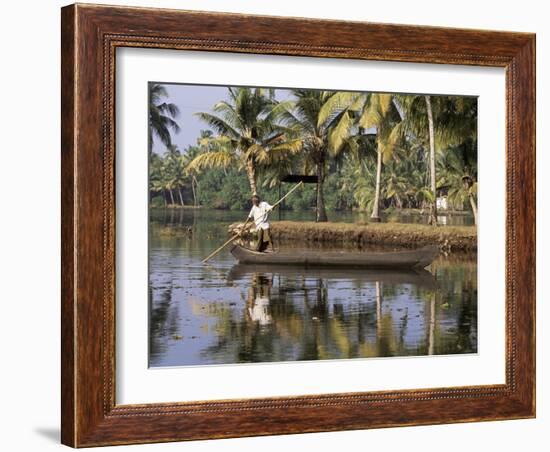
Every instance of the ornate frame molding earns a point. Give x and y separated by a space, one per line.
90 36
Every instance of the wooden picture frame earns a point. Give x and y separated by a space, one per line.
90 36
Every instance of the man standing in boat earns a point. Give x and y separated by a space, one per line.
259 213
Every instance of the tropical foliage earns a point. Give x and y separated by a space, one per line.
368 151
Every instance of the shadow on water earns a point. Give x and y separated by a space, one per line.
226 313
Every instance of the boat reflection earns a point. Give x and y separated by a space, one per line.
417 277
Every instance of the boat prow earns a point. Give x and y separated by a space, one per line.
409 259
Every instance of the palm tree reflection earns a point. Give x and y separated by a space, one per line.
431 329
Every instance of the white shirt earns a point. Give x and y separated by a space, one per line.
259 214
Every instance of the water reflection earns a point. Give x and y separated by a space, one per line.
258 299
227 313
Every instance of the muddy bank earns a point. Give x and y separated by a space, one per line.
449 238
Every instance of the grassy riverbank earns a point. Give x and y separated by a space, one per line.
449 238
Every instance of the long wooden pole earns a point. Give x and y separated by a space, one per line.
299 184
216 251
224 245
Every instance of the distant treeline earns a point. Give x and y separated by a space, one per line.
219 189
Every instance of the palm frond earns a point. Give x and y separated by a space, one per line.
213 159
339 133
218 124
340 101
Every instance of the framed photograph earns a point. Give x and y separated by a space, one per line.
280 225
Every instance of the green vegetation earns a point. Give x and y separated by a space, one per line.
369 151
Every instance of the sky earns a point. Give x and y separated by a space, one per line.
191 99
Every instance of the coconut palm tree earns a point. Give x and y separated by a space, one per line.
173 174
431 135
188 156
161 116
321 122
354 113
420 113
302 116
248 134
382 114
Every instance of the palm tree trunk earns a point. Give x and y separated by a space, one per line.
321 213
433 209
474 207
193 181
171 196
181 196
251 174
375 216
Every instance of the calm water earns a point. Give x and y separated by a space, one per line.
227 313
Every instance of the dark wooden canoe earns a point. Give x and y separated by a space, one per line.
418 258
